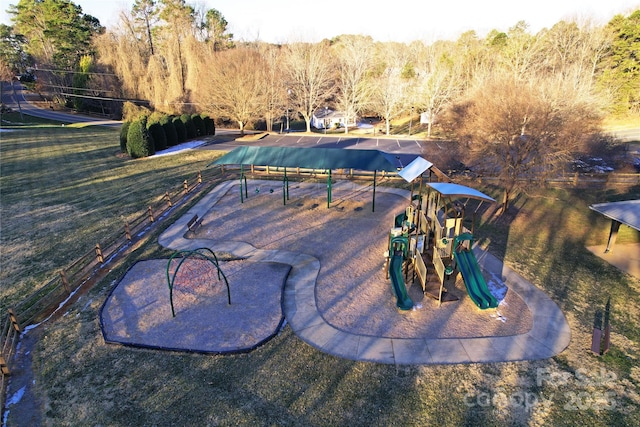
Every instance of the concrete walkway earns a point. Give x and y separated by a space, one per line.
549 335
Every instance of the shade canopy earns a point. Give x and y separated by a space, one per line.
414 169
458 191
625 212
312 158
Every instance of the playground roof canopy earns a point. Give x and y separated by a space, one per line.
458 191
415 169
626 212
313 158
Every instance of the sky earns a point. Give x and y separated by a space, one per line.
279 21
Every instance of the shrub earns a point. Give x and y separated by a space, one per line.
181 131
169 130
209 125
159 138
189 126
199 125
139 141
131 111
123 136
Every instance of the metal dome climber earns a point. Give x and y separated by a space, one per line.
196 267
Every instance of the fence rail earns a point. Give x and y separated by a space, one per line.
579 180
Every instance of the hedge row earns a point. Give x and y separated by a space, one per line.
145 136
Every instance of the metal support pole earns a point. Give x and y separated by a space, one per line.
373 205
613 235
241 177
329 189
285 187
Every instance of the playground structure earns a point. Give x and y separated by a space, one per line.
193 269
429 238
136 313
431 223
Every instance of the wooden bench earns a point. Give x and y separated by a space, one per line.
193 223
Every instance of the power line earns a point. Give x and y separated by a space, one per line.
76 88
102 98
74 72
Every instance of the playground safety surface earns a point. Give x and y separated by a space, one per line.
356 320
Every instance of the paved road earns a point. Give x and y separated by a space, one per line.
13 96
627 135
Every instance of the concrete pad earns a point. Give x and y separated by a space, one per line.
375 349
507 348
480 350
342 344
552 332
447 351
411 352
239 249
532 348
625 257
318 334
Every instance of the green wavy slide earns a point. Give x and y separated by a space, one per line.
473 279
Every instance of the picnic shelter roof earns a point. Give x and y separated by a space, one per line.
626 212
457 191
313 158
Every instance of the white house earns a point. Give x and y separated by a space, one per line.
324 118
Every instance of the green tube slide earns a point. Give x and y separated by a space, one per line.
472 275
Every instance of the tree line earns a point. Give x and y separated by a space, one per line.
519 102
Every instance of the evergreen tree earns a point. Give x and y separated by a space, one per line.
621 74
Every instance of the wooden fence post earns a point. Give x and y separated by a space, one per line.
3 366
14 320
65 281
168 198
127 231
150 214
99 253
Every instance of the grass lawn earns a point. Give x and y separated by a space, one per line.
62 190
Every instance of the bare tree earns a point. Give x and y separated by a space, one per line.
471 55
179 26
234 88
438 82
354 61
120 53
274 86
309 73
520 54
573 51
390 86
522 129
